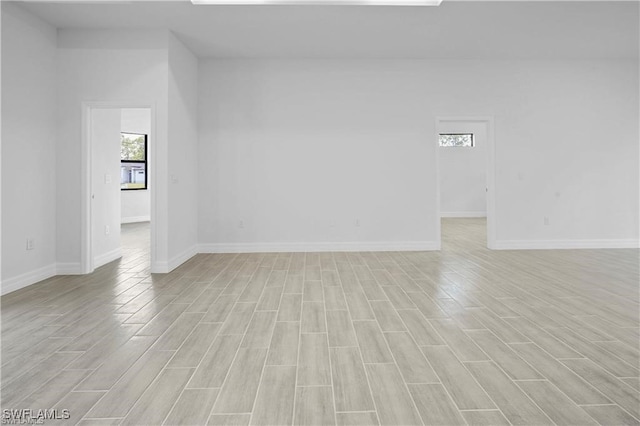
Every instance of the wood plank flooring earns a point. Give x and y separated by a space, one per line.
462 336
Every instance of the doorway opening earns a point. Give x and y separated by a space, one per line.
465 182
135 199
119 186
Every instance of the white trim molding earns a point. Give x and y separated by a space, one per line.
463 214
566 244
68 269
105 258
33 277
135 219
23 280
159 267
317 247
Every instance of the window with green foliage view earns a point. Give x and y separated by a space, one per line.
133 161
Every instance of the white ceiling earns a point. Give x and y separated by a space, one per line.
455 29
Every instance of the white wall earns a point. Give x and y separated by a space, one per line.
136 205
183 155
28 147
463 172
298 150
130 67
567 149
108 66
105 202
314 155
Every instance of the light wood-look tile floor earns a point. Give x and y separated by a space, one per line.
461 336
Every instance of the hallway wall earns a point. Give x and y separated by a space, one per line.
28 148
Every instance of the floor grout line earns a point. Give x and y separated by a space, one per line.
326 327
266 357
366 374
295 393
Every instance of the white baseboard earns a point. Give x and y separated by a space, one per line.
565 244
32 277
160 267
317 247
135 219
463 214
105 258
28 278
68 269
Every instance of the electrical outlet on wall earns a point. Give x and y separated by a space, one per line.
241 224
546 220
106 230
31 242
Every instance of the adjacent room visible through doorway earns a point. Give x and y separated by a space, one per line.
120 187
134 189
464 155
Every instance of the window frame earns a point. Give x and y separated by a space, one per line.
146 163
473 140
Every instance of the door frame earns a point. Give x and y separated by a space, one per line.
488 120
86 169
